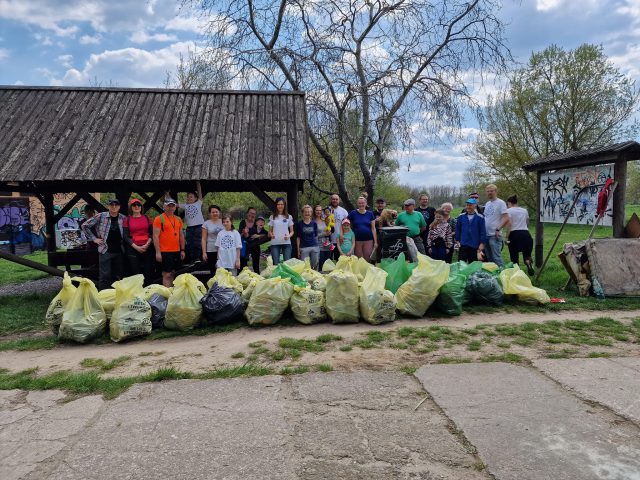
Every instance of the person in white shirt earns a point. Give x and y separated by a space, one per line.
193 219
495 218
280 231
339 214
229 245
518 237
210 230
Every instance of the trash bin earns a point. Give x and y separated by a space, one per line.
393 241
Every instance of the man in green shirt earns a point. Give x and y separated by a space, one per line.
414 221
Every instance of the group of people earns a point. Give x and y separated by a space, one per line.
134 244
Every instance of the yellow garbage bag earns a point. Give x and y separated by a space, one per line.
308 305
107 299
248 291
417 294
132 314
269 300
328 266
83 318
246 275
377 305
516 282
296 264
156 288
315 279
183 309
56 307
342 297
268 271
358 266
490 266
225 278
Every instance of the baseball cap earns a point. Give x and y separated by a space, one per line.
474 195
346 221
114 201
409 201
472 201
169 201
135 200
380 200
260 218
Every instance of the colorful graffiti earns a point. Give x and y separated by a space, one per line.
14 221
558 191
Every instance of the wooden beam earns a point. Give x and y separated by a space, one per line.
262 196
152 201
50 224
31 264
70 204
93 202
292 207
539 253
620 176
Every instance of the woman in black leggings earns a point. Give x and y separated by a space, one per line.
519 239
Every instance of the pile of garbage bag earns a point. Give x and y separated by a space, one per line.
132 313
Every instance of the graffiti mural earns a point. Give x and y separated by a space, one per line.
559 189
14 222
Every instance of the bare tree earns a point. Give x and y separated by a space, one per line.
202 70
400 66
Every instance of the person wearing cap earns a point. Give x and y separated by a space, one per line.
496 217
346 240
471 235
381 204
106 231
479 208
414 221
257 234
363 224
137 233
169 241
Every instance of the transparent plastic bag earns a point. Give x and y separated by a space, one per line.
246 275
284 271
398 271
132 314
107 299
342 297
184 311
328 266
314 279
417 294
295 264
269 300
308 305
156 288
56 307
377 305
516 282
224 278
83 318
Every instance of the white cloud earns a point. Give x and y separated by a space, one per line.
143 37
628 61
546 5
437 166
4 54
65 60
186 23
18 82
44 40
128 67
90 40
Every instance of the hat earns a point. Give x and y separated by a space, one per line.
409 201
169 201
260 218
474 195
472 201
114 201
380 200
135 200
346 221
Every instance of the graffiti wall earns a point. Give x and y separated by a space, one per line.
69 221
558 190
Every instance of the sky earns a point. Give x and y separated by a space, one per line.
135 43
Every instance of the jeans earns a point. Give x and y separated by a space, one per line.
313 253
494 249
110 269
276 250
438 253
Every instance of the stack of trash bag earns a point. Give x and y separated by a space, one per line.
149 290
225 278
398 271
221 305
483 287
417 294
314 279
266 273
246 276
184 311
132 314
358 266
342 297
107 299
308 305
158 298
283 270
451 296
377 305
269 300
328 266
516 282
59 302
296 264
83 318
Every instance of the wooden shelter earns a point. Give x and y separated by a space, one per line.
148 141
617 154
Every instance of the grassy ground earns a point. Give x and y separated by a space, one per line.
13 273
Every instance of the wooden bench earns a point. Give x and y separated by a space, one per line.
78 262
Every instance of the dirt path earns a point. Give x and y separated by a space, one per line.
202 353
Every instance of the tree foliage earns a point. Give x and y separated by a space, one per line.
559 102
401 65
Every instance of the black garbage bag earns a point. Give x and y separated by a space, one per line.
482 287
158 309
221 305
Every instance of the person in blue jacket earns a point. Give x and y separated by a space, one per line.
471 235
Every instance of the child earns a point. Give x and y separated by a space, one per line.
194 219
257 233
330 222
440 238
346 241
229 245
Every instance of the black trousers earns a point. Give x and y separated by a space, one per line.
467 254
212 259
254 254
141 263
520 241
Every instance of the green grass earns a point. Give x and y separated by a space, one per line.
237 355
474 345
36 343
328 338
409 370
301 344
509 357
294 370
345 348
102 365
324 367
598 355
447 360
11 272
23 313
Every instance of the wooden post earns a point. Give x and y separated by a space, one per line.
539 253
49 222
123 196
292 207
620 176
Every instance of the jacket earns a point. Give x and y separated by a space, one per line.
101 222
471 234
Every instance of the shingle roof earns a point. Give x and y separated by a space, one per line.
563 159
53 133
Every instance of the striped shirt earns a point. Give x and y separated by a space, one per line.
441 230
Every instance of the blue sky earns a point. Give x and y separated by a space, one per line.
134 43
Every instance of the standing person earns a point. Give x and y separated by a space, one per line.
138 235
88 212
518 236
381 204
339 214
440 237
447 208
427 212
495 217
257 234
168 239
324 236
280 231
194 220
210 230
108 237
246 224
346 240
415 222
471 234
229 245
363 224
307 238
479 208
